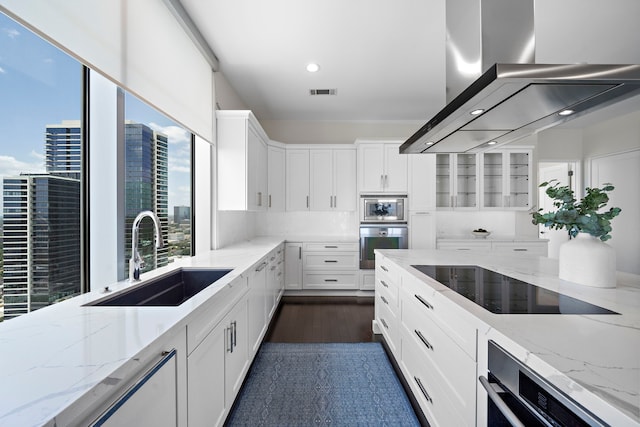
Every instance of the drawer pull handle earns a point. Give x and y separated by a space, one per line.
423 390
384 323
384 300
330 280
384 268
423 301
331 247
423 339
330 260
520 250
383 283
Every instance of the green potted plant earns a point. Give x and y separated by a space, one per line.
584 259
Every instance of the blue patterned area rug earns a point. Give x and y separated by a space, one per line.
322 384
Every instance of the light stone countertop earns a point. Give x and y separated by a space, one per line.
595 359
60 354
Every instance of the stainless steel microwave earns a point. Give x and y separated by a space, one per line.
383 209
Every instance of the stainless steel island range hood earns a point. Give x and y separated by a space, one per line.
509 101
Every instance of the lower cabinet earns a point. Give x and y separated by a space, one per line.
329 266
433 341
257 300
516 247
293 266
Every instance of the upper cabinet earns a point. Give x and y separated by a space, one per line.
322 179
456 181
506 180
242 162
381 168
422 182
276 177
333 179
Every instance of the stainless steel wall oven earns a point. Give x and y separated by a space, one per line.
376 236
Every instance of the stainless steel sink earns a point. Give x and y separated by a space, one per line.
171 289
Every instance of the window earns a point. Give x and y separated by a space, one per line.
40 111
157 178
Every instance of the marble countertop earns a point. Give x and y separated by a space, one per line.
595 359
57 355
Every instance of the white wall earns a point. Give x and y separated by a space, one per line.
235 226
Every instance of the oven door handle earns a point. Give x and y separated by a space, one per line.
502 407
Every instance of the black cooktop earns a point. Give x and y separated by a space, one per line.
502 294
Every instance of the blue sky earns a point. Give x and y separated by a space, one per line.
41 85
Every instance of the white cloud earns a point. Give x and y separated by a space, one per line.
39 156
10 166
176 134
2 71
12 33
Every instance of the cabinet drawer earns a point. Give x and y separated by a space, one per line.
429 391
388 324
455 369
328 280
526 248
208 317
331 247
464 246
456 323
387 290
338 260
387 270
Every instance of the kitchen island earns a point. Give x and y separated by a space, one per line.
593 358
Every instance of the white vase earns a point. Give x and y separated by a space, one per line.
589 261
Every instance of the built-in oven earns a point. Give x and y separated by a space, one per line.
517 396
380 236
383 209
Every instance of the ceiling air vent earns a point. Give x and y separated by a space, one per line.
322 91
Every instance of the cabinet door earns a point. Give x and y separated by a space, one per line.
237 354
344 172
370 167
293 266
422 182
276 180
257 306
519 184
206 379
395 173
297 177
257 171
466 181
321 180
493 180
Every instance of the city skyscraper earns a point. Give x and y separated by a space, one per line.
63 149
146 188
181 213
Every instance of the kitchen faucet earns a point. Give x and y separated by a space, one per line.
134 262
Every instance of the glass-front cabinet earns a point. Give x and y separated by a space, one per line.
506 180
456 181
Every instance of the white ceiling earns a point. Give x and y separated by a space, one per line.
386 58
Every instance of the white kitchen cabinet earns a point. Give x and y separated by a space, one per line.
293 265
276 178
381 168
330 266
242 162
456 181
422 230
297 179
216 369
275 279
257 297
515 246
422 182
332 179
506 183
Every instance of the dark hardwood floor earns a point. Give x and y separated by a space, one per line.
323 320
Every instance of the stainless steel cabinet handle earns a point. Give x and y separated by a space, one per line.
299 252
423 339
423 301
307 201
384 268
384 323
382 181
330 201
521 250
502 407
335 201
269 200
228 338
383 283
259 198
234 326
384 300
261 266
330 247
330 280
423 390
330 260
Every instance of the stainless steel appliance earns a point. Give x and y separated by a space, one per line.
517 396
377 236
383 209
502 294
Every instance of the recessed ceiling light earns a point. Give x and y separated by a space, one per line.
565 112
476 112
492 143
429 143
313 67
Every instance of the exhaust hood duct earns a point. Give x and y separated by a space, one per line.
491 72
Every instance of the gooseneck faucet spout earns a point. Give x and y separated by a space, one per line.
135 261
